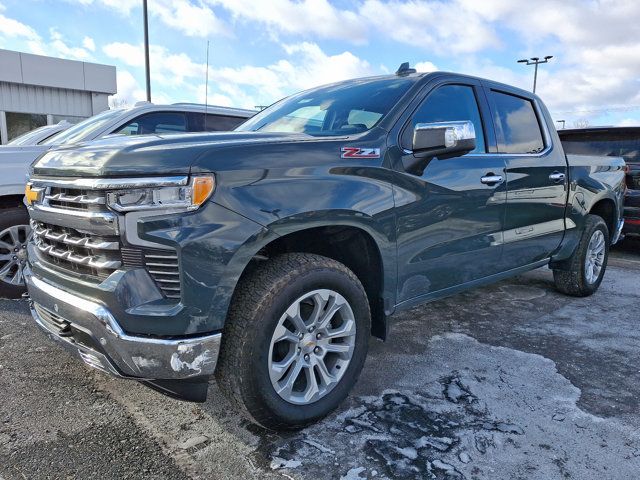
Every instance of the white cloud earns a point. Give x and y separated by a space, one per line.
425 67
629 122
305 65
192 20
123 7
57 47
89 44
306 18
443 28
13 28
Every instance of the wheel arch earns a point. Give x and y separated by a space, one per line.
354 245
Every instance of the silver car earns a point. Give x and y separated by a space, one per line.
39 135
143 118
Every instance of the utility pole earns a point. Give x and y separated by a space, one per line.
535 61
146 49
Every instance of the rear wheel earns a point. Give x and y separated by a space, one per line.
14 234
589 261
295 340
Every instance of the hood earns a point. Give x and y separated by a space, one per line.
120 156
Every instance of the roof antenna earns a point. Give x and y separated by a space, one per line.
405 69
206 89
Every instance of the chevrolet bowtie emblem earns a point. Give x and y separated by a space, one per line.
32 194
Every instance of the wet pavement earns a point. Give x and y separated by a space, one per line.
510 381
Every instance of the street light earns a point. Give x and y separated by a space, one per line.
535 61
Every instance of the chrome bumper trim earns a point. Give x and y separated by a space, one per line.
123 355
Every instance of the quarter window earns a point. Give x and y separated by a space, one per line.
516 124
451 103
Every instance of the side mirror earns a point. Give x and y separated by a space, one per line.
440 139
444 138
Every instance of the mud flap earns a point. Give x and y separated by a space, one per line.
190 390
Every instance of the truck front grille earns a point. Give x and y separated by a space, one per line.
77 251
74 230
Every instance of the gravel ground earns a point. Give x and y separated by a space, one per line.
511 381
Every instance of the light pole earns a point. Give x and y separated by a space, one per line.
535 61
146 49
561 121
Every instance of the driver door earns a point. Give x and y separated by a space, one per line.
449 219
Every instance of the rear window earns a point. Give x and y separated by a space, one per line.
516 124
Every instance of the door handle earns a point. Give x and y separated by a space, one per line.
491 179
557 177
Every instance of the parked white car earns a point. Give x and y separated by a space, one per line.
144 118
38 135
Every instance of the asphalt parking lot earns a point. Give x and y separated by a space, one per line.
505 382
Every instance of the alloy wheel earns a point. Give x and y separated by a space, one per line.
312 346
13 253
594 260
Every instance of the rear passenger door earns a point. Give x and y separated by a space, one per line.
536 179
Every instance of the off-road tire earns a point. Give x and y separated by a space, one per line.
573 281
257 305
10 217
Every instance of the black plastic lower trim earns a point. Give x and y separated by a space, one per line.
190 390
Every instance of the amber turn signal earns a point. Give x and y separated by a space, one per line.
30 194
202 187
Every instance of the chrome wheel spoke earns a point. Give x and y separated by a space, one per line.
5 245
312 384
278 369
332 309
337 347
346 330
326 378
282 334
6 268
286 386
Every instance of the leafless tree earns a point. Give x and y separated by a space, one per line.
115 102
581 123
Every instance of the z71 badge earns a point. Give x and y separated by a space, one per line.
355 152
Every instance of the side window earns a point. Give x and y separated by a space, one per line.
516 124
157 122
222 123
451 103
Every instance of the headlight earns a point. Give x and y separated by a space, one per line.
187 197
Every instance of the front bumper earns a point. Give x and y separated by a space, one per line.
89 331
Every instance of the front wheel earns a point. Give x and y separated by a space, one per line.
14 234
295 341
589 261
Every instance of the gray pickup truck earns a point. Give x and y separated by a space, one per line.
268 256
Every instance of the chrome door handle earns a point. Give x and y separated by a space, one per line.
557 177
491 179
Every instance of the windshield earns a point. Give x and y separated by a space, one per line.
341 109
84 130
31 138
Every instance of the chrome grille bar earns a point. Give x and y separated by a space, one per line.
83 199
69 256
75 241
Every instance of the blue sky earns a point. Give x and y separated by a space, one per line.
262 50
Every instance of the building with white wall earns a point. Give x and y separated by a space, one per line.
37 91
